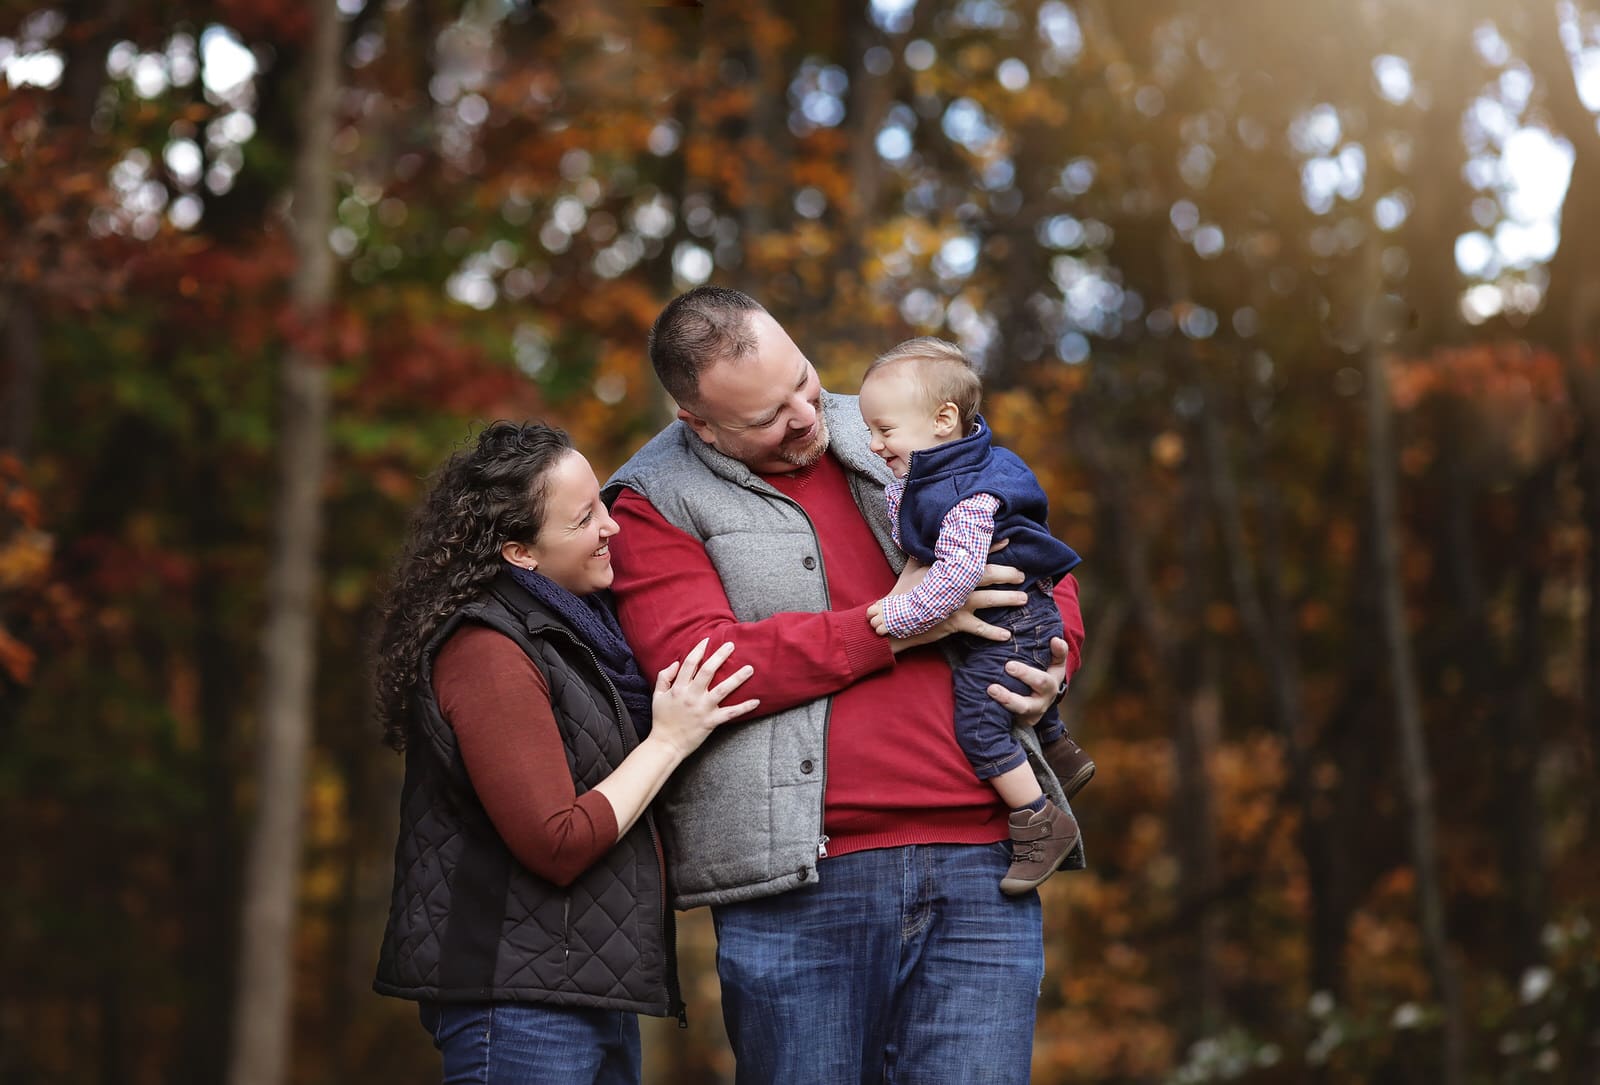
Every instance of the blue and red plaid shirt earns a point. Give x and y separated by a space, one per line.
958 560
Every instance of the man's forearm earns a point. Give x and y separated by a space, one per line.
669 597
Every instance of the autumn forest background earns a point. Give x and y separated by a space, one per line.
1295 307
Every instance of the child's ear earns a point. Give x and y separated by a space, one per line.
946 420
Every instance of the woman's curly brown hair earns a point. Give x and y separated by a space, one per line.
482 498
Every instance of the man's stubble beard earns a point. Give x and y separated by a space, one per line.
805 457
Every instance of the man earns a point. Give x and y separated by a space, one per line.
849 854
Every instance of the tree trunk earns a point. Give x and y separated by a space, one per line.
1099 653
263 1005
20 375
1522 836
213 881
1416 775
93 27
1264 614
869 99
1570 319
1184 692
1035 154
1197 731
768 147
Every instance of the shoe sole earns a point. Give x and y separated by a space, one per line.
1014 889
1078 782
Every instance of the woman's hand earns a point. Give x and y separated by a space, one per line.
686 707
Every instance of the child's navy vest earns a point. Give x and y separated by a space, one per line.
946 474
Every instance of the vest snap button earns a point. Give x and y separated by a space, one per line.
810 562
805 766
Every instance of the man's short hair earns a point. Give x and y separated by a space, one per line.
696 330
941 373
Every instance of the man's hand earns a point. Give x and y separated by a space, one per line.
966 619
1046 685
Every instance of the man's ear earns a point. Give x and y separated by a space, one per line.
519 554
946 420
701 427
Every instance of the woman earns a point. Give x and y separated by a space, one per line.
529 913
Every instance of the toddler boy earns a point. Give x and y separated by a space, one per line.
953 495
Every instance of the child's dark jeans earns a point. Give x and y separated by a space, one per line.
983 725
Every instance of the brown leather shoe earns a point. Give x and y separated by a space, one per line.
1070 763
1040 843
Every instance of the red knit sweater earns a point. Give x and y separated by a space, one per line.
895 773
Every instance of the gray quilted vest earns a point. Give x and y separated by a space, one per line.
467 922
743 818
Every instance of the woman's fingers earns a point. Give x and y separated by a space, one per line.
691 662
709 670
733 712
721 690
689 684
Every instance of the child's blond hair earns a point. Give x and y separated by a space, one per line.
941 373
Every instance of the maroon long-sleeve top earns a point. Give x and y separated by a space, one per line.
498 704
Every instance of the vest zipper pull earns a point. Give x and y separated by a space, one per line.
822 847
683 1016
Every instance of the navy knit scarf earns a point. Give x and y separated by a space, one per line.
590 617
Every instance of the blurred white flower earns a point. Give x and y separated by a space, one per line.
1406 1015
1536 983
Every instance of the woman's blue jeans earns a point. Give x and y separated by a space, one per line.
523 1043
901 965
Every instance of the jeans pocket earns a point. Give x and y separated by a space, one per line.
446 1020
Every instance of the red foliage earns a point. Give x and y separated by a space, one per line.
1517 394
283 21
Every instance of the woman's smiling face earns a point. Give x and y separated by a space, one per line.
573 545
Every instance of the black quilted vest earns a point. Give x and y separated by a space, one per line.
467 922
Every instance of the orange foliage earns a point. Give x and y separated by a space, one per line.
26 555
1516 391
16 658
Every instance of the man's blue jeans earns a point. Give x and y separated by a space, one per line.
523 1043
902 965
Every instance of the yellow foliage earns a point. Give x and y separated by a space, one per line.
24 558
1167 449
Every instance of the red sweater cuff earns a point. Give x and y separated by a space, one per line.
864 650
